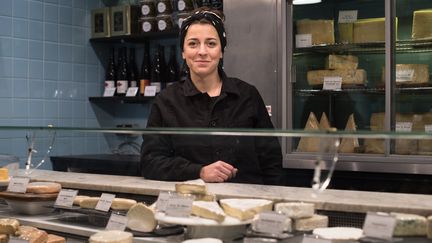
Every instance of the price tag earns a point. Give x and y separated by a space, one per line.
303 40
162 201
404 75
18 184
66 197
347 16
150 90
117 222
312 239
404 126
270 222
109 92
132 91
428 128
105 201
332 83
179 206
379 225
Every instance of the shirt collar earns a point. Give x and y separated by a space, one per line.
228 86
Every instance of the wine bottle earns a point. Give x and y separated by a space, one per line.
110 72
158 73
122 74
173 70
133 71
145 74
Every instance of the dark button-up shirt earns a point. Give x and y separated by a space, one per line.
181 157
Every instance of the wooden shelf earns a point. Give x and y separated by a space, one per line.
137 37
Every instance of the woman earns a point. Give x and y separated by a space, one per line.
208 98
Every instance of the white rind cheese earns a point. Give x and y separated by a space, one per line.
43 187
324 123
296 210
409 225
348 76
197 186
122 203
111 236
203 240
245 209
322 31
341 62
287 224
90 202
422 22
339 233
141 218
429 227
308 224
208 210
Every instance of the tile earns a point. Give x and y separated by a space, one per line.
80 91
79 4
91 74
6 90
6 67
50 109
20 8
21 28
65 53
20 68
78 54
51 1
65 34
36 10
6 8
66 109
65 15
5 107
91 56
35 69
20 88
20 108
21 48
65 3
36 50
78 36
51 13
36 109
78 17
36 31
79 73
5 26
79 109
51 70
36 87
65 71
6 44
51 52
50 88
51 32
94 89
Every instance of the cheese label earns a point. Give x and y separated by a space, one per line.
18 184
303 40
162 201
379 225
404 75
132 91
312 239
109 92
105 201
332 83
150 90
428 128
116 222
347 16
66 197
179 206
404 126
270 222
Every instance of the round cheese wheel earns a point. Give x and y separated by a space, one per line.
203 240
43 187
141 218
111 236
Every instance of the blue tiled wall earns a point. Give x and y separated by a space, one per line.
48 69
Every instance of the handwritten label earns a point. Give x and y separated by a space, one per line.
347 16
150 90
117 222
332 83
162 201
179 206
428 128
404 126
379 225
303 40
109 92
18 184
105 201
66 197
132 91
313 239
406 75
270 222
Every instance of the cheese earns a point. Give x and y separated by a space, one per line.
373 145
206 197
90 202
349 145
122 203
422 22
77 200
141 218
410 74
191 187
287 224
310 144
296 210
208 210
9 226
429 227
339 233
346 32
4 238
32 234
341 62
408 146
322 31
324 123
203 240
4 174
425 145
409 225
348 76
308 224
55 239
111 236
245 209
43 187
369 30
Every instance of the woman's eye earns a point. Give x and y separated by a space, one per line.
212 44
192 44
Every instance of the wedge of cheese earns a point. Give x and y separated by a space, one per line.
372 145
141 218
322 31
410 74
122 203
9 226
409 225
429 227
369 30
346 32
341 62
422 22
55 239
4 238
296 210
197 186
349 145
287 224
245 209
348 76
205 197
425 145
111 236
308 224
208 210
310 144
324 123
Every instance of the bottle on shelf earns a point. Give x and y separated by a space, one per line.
159 69
133 71
173 68
122 74
206 3
145 74
217 4
110 72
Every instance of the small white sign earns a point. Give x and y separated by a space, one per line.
270 222
332 83
313 239
66 197
105 201
179 206
347 16
162 201
404 126
150 91
303 40
428 128
379 225
18 184
109 92
404 75
117 222
132 91
269 110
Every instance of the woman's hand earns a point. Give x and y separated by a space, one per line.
218 171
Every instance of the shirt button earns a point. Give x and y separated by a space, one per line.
213 123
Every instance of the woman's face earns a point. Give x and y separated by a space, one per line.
202 50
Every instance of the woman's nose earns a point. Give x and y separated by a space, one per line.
202 49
